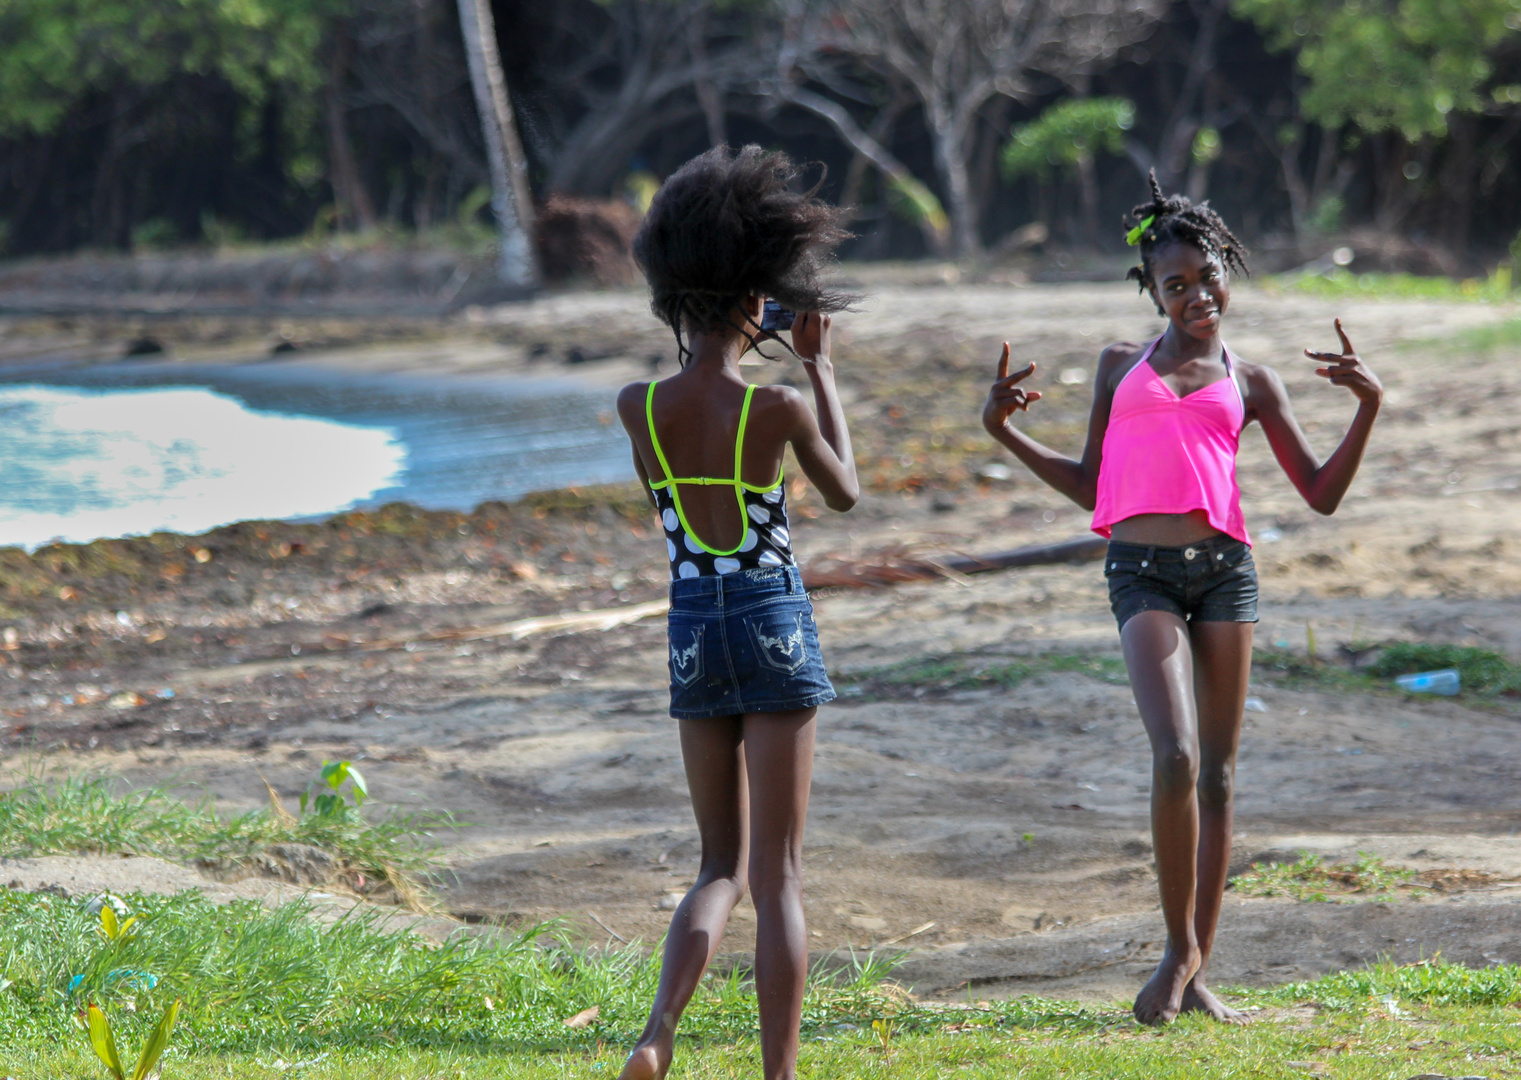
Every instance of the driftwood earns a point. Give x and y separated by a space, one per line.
887 567
602 619
896 565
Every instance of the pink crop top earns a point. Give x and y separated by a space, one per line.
1165 454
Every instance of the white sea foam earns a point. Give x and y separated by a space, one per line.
82 464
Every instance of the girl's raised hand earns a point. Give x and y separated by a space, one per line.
1347 369
1006 397
810 336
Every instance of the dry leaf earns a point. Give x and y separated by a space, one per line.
584 1017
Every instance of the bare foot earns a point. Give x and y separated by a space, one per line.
1197 998
1162 997
646 1063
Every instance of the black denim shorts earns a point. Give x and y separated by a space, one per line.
1211 581
744 642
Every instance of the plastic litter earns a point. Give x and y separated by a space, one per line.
1446 681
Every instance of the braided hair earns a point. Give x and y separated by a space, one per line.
728 225
1174 218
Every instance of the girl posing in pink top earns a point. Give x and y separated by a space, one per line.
1159 473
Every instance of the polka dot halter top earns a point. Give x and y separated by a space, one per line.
766 541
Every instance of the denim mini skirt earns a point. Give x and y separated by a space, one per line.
744 642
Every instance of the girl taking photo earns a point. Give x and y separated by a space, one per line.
1159 474
725 233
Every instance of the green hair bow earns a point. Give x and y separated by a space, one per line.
1133 237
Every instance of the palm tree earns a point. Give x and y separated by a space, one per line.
511 199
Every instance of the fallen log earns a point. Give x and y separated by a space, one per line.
1080 549
888 567
895 565
601 619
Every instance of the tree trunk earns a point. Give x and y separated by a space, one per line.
422 206
1398 191
1457 178
1299 198
855 174
947 139
355 211
1088 185
992 126
511 198
708 97
1171 160
103 197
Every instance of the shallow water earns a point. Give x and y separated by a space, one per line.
119 449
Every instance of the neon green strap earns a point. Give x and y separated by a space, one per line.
649 416
737 484
739 438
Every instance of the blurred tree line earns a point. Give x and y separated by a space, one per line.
952 125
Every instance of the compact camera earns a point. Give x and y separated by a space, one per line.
774 317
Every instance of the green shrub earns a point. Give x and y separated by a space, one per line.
1481 670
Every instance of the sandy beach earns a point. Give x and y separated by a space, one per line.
995 827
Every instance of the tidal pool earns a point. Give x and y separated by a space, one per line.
123 449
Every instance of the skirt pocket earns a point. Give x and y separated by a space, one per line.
686 659
779 635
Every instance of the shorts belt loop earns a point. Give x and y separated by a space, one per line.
1151 559
794 579
718 591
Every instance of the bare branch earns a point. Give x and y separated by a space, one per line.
955 55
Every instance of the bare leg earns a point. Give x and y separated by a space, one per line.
1157 655
779 757
1222 665
714 754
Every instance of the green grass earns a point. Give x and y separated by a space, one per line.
1370 1046
1486 339
1297 671
1486 676
87 815
947 674
1482 671
1340 282
276 993
1311 878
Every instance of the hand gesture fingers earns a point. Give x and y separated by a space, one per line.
1013 398
1346 344
1004 378
1347 355
1347 369
1006 397
1336 362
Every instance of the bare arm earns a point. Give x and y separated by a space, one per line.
1323 485
822 444
631 412
1078 480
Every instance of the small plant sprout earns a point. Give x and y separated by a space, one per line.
114 928
331 803
105 1044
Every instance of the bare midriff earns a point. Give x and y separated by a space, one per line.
1164 530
